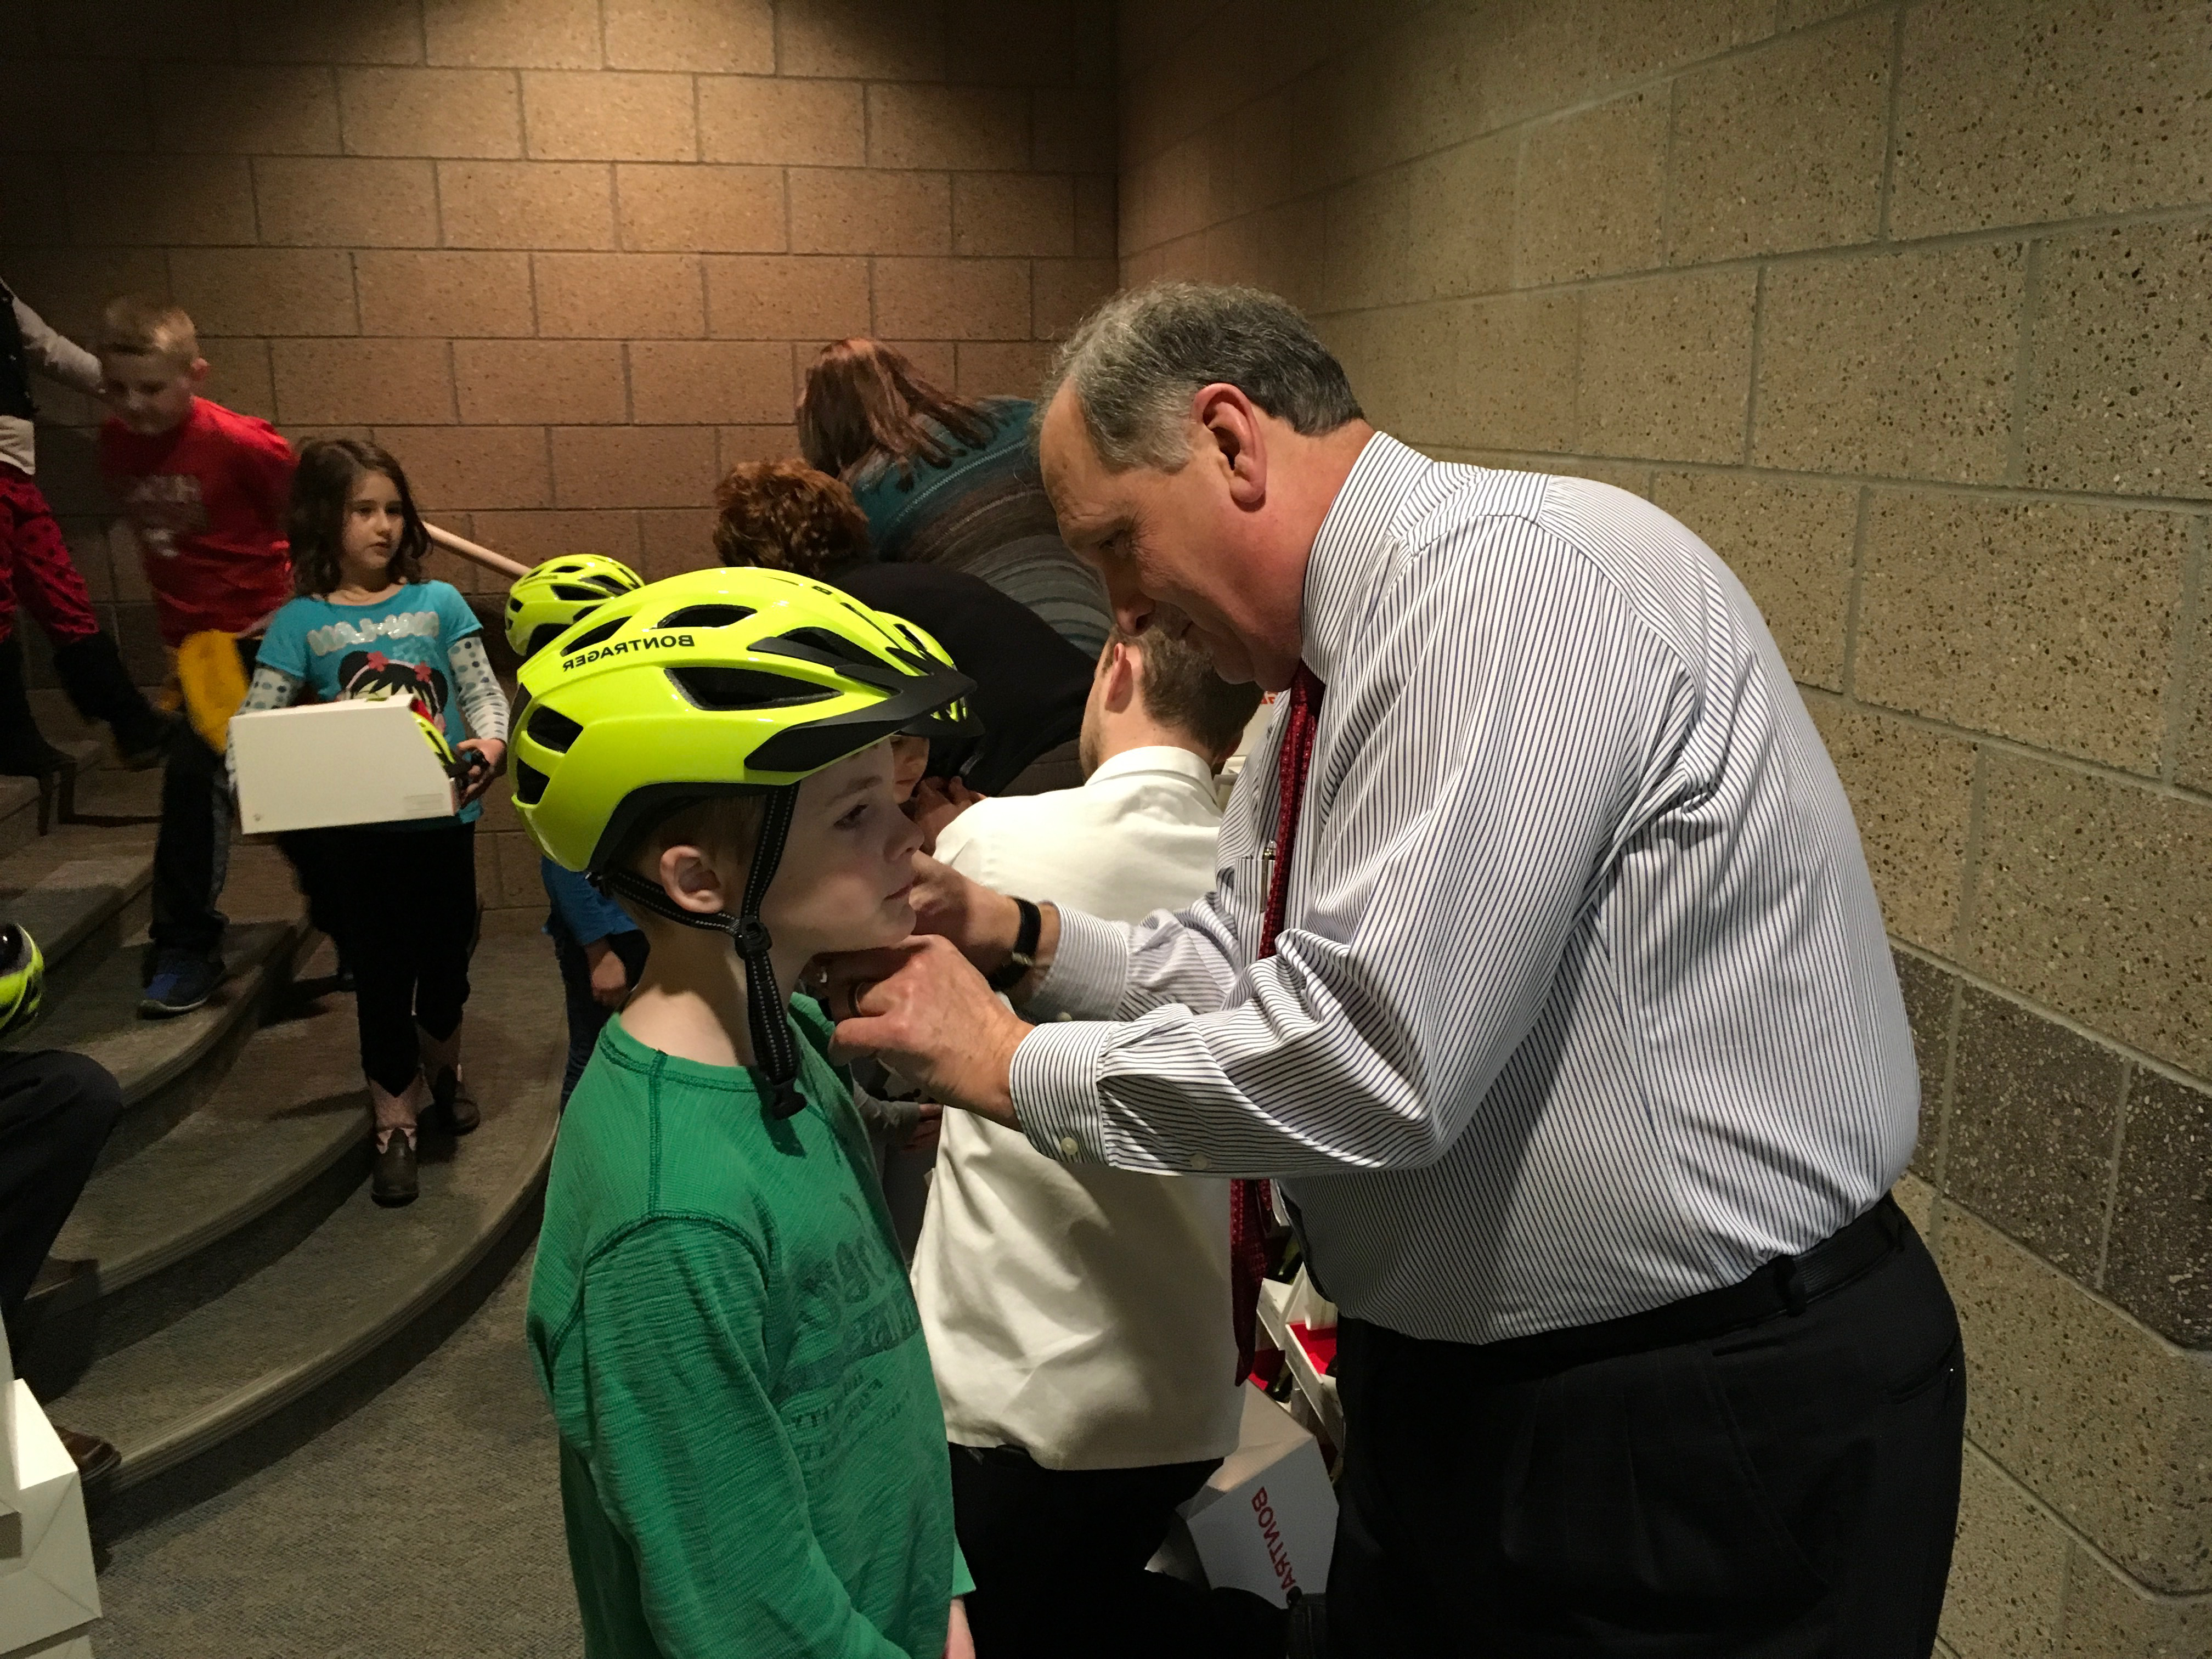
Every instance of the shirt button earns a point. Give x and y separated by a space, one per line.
1200 1161
1070 1144
1063 1015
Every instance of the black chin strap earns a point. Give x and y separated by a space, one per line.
774 1049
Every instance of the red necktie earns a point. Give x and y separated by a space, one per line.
1251 1205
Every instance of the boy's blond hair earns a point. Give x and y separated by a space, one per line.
138 325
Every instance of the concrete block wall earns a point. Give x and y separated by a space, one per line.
1902 307
568 259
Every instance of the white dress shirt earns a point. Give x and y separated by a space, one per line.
1082 1312
1581 1003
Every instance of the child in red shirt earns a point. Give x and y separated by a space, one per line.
207 491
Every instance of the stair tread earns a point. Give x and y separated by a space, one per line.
365 1272
100 1017
62 906
292 1104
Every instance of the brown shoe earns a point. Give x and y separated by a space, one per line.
392 1180
453 1107
95 1459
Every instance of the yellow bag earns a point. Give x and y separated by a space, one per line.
213 683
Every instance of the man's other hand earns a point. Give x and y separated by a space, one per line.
922 1009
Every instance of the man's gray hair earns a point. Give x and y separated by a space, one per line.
1135 363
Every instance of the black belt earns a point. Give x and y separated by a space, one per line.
1787 1285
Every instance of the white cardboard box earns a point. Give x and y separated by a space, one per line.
336 762
1267 1521
48 1595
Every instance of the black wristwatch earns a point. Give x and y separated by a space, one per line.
1017 967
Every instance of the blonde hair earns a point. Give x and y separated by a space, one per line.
138 325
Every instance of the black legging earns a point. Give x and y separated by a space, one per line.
56 1111
402 905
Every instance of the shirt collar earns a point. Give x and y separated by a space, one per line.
1154 758
1356 542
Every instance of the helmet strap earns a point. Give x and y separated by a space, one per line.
774 1049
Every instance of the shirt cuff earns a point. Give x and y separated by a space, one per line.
1088 973
1055 1084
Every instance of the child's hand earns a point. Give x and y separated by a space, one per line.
927 1129
958 1644
610 978
936 803
492 751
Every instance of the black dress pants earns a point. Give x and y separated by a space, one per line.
56 1111
1058 1557
1788 1489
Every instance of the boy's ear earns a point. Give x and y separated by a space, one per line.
197 373
687 876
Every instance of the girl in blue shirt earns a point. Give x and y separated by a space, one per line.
399 898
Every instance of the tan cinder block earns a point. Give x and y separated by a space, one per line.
1782 148
1404 91
532 537
337 382
936 126
756 118
461 468
1368 225
193 30
1496 372
2008 1569
2053 624
2123 363
620 295
734 444
856 210
1010 43
133 201
2101 1419
676 539
337 201
1014 370
778 296
633 466
2091 898
1918 1199
861 40
702 210
2193 749
539 382
238 377
931 359
1790 544
285 31
1460 222
448 294
265 290
735 37
1592 186
2108 1616
1013 213
455 113
2016 112
1899 365
79 108
1096 213
243 109
604 115
1529 57
1910 790
1666 367
733 381
35 208
953 298
513 33
1065 291
532 204
1278 248
1073 129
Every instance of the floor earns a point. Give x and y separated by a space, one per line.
428 1523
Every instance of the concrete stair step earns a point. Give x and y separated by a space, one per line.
80 911
19 797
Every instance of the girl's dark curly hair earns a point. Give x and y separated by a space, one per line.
784 515
322 486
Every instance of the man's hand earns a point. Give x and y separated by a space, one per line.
609 977
983 924
924 1011
936 803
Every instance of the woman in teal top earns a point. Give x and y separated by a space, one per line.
946 481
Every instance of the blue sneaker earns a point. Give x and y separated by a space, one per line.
181 982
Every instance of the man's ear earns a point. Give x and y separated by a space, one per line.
687 876
1230 425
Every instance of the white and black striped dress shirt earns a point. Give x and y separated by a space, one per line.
1581 1003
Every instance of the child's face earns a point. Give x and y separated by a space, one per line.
150 395
909 761
374 524
848 864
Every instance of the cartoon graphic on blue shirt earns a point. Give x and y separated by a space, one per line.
396 647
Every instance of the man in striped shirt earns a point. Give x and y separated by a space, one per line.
1553 989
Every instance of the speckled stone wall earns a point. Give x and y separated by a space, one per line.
1907 309
566 259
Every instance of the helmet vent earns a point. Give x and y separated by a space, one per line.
590 592
529 783
592 637
554 729
727 688
834 645
707 615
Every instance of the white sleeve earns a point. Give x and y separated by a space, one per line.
56 353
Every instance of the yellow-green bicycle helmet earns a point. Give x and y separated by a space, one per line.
548 598
22 978
719 682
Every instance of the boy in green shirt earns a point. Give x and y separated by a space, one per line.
752 1456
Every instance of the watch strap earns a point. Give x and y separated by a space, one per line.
1017 967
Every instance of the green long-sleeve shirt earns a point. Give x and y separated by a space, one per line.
752 1457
